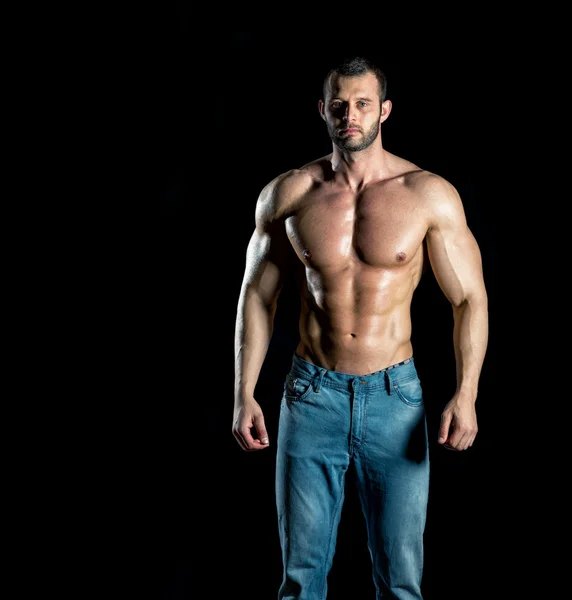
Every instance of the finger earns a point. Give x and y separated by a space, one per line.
261 431
444 428
240 440
471 440
456 439
463 443
249 441
468 439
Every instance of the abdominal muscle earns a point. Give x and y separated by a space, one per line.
356 322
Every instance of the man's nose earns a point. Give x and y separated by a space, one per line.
348 114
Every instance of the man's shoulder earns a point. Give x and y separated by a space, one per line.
421 179
437 195
430 186
289 186
293 181
306 176
416 178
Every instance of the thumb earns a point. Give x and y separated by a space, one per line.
444 428
261 430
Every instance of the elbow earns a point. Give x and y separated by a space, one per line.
476 301
266 300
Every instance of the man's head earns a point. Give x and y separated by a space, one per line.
354 103
354 67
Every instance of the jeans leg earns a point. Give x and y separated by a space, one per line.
312 460
392 472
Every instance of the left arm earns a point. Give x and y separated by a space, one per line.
456 262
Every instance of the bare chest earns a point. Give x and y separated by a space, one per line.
381 228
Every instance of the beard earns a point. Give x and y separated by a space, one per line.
350 144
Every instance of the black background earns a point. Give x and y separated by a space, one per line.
225 112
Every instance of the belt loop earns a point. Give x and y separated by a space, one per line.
319 382
388 383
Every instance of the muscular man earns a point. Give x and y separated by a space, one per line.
353 226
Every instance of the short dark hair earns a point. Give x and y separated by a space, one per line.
355 66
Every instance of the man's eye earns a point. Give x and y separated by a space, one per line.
336 104
363 103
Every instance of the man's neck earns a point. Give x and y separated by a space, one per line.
360 168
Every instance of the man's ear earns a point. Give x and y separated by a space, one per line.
321 107
385 110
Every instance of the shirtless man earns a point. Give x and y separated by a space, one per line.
352 227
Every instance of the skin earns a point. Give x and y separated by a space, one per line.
355 227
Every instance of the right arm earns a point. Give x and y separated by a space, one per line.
267 259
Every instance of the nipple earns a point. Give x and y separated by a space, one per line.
401 256
307 254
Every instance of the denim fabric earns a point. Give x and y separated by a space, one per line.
329 420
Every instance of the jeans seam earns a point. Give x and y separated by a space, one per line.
364 417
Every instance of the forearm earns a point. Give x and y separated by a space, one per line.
470 337
254 326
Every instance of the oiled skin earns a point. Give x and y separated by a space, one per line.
353 226
361 257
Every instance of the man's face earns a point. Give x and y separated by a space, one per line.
352 111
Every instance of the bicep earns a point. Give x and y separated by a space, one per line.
267 260
455 259
270 255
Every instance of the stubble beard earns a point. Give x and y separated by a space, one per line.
349 144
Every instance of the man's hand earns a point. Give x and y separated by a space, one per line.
248 416
458 424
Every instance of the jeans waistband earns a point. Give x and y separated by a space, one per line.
401 371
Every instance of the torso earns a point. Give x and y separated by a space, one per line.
360 259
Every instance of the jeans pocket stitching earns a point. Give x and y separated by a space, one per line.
401 396
297 397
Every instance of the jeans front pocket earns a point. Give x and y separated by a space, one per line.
296 388
409 391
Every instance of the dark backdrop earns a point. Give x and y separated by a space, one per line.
225 115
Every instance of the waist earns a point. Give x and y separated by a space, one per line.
402 371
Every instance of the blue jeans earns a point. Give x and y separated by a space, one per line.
329 421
